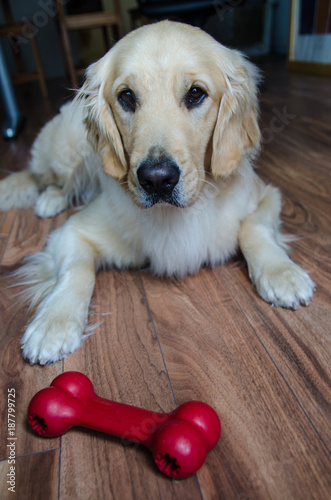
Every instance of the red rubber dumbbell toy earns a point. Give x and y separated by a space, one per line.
179 441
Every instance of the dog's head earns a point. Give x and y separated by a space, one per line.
168 106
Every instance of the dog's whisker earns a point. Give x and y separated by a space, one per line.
207 182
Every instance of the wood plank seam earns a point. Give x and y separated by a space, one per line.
157 338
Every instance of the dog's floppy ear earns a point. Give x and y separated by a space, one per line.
101 126
236 133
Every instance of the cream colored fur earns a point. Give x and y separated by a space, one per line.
63 168
221 203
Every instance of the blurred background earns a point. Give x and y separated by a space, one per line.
44 41
258 26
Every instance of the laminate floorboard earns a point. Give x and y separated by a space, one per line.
159 342
36 477
213 353
298 343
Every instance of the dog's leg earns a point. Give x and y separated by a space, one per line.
81 186
277 278
51 202
19 190
61 281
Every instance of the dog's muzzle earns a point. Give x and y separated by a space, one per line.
158 178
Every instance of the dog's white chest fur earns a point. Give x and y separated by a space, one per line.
179 241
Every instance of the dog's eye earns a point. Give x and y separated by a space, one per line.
128 100
194 97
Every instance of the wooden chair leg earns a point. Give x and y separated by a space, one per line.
118 30
119 25
39 68
68 59
106 40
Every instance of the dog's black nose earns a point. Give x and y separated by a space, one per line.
158 177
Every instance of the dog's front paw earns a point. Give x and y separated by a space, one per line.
46 341
285 285
51 202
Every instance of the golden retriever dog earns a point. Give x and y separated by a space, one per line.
162 134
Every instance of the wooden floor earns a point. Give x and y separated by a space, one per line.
265 370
